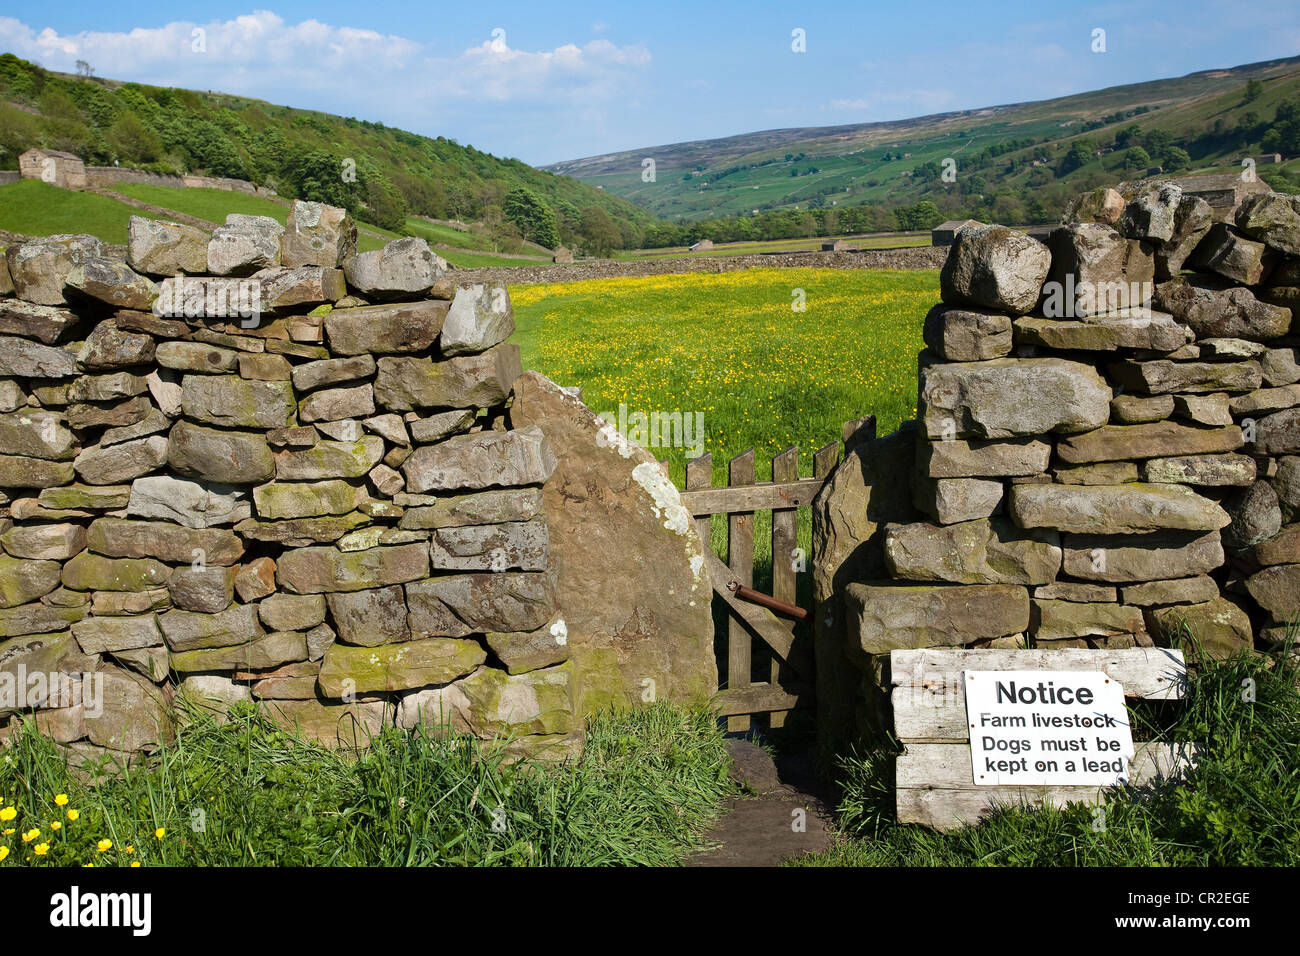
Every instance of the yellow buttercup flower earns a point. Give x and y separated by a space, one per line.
56 825
42 849
160 833
128 849
73 814
104 845
31 835
7 814
61 799
135 863
4 852
9 832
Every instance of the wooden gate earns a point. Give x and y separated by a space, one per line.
790 676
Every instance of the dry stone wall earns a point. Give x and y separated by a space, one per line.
260 466
1106 449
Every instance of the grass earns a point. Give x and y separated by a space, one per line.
892 241
446 235
1239 807
34 208
210 204
247 794
731 347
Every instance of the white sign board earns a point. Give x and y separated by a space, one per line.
1047 728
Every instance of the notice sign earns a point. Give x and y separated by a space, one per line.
1047 728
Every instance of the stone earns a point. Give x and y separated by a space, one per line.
88 497
1076 591
256 579
17 472
1150 211
463 604
290 288
165 388
109 282
244 245
983 459
264 368
1007 398
299 436
36 434
270 650
431 428
386 481
973 552
106 388
1103 204
330 459
12 397
1229 253
1134 508
292 612
967 335
1216 310
192 630
370 618
1287 485
467 381
337 725
484 460
39 268
202 589
1282 548
160 248
1197 590
92 572
37 654
196 357
1163 377
1231 349
193 504
1096 271
317 235
1122 328
388 329
389 667
1202 470
133 715
98 465
316 570
38 619
124 538
225 457
295 681
314 375
1192 220
233 402
1271 218
1068 620
334 404
21 358
301 532
1276 590
525 651
501 705
119 415
1204 409
1256 516
404 267
1278 434
478 508
952 500
1100 473
213 693
108 348
996 268
1280 367
101 635
281 499
1265 401
1155 440
149 662
1150 557
1221 628
892 616
44 542
345 430
119 603
480 317
514 545
390 427
27 319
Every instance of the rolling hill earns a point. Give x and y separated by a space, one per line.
1011 150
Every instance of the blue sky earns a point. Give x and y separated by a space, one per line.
565 80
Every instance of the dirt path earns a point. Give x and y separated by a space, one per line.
786 818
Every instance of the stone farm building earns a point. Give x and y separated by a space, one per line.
55 167
944 233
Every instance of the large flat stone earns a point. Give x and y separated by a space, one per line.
1113 509
317 570
509 546
1125 329
330 459
462 604
480 317
349 670
960 458
468 381
124 538
193 504
370 618
1163 377
1157 556
1154 440
973 552
1070 620
1203 470
1221 628
996 268
234 402
1215 309
217 455
481 460
193 630
894 616
386 329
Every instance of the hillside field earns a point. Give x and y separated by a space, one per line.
731 347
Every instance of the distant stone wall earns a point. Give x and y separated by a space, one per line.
1107 450
9 176
259 466
107 176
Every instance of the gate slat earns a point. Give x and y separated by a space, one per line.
785 530
740 557
699 474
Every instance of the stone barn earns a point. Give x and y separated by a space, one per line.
704 245
835 245
562 256
945 233
54 167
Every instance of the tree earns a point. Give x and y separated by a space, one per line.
1253 90
1080 153
1176 158
533 218
1137 158
598 230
